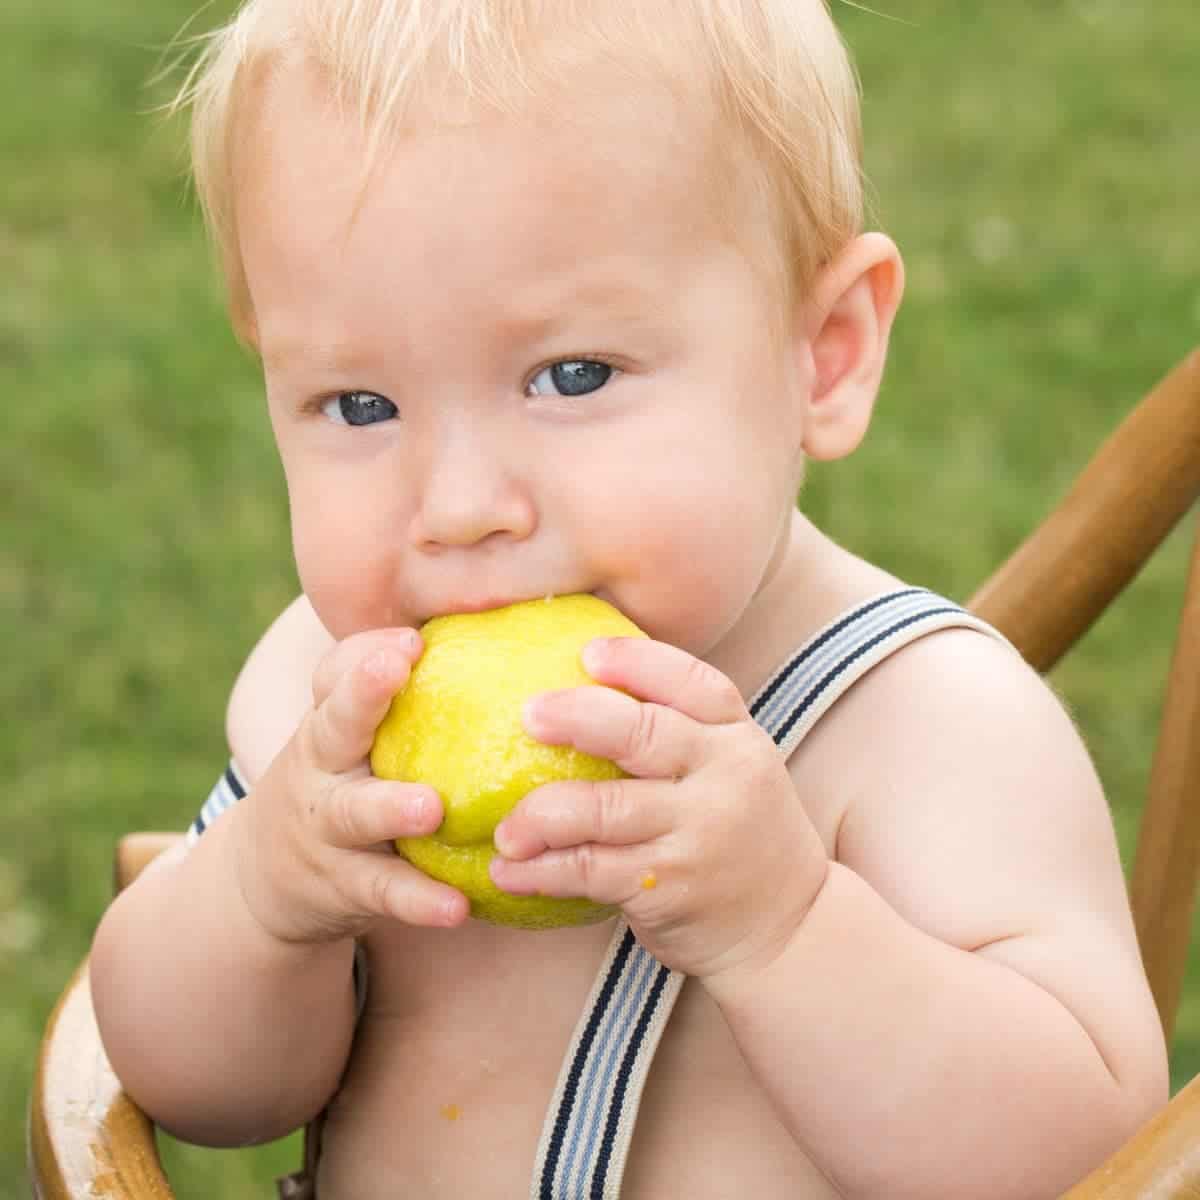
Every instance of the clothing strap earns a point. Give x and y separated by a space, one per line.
821 671
589 1125
226 792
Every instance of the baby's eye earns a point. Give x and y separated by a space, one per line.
358 408
572 378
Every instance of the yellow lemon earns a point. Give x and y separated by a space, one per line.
456 726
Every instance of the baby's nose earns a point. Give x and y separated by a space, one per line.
470 494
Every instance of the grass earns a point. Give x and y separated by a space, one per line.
1035 161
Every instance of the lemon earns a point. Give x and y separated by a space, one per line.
456 726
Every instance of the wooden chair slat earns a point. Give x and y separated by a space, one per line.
1107 526
1161 1163
86 1137
1163 885
135 851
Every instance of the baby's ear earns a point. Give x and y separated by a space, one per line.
847 320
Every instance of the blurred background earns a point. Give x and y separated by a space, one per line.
1038 163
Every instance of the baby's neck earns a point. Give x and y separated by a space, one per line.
810 581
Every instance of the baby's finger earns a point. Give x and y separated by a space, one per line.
351 652
357 813
664 674
614 812
648 740
382 885
342 727
606 874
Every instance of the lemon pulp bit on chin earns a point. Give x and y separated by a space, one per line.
456 726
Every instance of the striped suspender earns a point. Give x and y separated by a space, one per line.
799 694
589 1124
227 791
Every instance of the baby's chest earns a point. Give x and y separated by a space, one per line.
449 1086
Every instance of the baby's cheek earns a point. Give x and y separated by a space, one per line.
345 572
697 590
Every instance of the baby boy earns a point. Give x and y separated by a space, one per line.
561 297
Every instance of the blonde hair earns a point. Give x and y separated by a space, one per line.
785 93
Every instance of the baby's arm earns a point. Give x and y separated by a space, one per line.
224 1034
222 977
963 1009
954 1005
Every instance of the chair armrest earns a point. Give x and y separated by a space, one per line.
135 851
1161 1161
85 1136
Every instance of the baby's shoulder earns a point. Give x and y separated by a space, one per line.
955 722
273 690
955 698
954 779
957 682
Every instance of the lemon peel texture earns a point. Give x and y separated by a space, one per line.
456 726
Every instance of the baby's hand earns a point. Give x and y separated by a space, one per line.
707 848
314 850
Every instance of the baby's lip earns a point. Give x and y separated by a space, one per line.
485 603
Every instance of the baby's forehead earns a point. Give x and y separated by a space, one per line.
752 107
648 114
611 148
507 227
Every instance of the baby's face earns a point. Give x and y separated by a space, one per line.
528 364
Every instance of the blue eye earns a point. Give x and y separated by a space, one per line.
358 408
573 378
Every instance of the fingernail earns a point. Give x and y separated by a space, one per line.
418 806
502 837
593 654
532 717
498 868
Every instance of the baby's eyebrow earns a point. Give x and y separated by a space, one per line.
530 329
289 352
543 313
622 301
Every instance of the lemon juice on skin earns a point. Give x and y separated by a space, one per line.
456 726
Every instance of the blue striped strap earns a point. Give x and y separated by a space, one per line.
589 1125
226 792
821 671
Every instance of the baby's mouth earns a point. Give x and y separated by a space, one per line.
489 602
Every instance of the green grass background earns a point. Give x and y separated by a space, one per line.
1037 162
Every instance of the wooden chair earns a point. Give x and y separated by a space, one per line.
86 1138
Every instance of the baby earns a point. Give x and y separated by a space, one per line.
561 297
